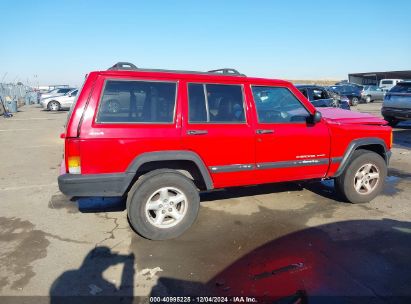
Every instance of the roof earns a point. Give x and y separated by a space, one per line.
228 74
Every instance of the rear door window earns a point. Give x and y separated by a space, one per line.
137 102
215 103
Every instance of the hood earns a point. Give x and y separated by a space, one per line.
350 117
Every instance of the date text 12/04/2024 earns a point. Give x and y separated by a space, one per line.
204 299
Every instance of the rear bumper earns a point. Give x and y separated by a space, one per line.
398 113
95 184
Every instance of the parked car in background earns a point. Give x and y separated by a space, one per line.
387 84
320 97
371 93
56 103
397 103
56 92
181 133
353 93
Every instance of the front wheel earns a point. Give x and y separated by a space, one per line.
363 179
163 205
354 101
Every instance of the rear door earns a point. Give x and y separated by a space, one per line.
216 127
287 146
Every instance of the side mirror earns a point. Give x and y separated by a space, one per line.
316 117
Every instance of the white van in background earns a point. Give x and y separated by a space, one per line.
387 84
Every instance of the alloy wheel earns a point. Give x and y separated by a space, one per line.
166 207
366 179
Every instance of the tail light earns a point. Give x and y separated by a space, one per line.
72 156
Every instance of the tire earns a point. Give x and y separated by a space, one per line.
53 106
152 196
368 99
354 175
354 101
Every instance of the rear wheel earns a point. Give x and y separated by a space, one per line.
163 204
53 105
363 179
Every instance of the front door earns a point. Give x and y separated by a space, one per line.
288 146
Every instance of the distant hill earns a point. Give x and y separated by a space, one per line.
312 81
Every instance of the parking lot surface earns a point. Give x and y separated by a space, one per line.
283 237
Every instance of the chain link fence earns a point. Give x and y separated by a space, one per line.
14 96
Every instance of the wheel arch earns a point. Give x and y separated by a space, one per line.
186 162
373 144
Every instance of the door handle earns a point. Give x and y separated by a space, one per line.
260 131
197 132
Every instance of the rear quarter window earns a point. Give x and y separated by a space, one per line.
125 101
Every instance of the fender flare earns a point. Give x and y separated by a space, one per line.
357 143
172 155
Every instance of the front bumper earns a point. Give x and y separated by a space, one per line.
397 113
115 184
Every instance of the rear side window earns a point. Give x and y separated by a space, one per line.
402 88
215 103
278 105
137 102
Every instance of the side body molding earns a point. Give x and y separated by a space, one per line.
172 155
357 143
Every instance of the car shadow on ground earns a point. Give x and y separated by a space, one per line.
113 204
360 261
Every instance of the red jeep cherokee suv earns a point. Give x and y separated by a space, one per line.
159 137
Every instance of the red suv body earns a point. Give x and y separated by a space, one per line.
213 130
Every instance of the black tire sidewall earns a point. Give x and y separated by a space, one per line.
360 158
136 205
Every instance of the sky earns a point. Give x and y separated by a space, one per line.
58 42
